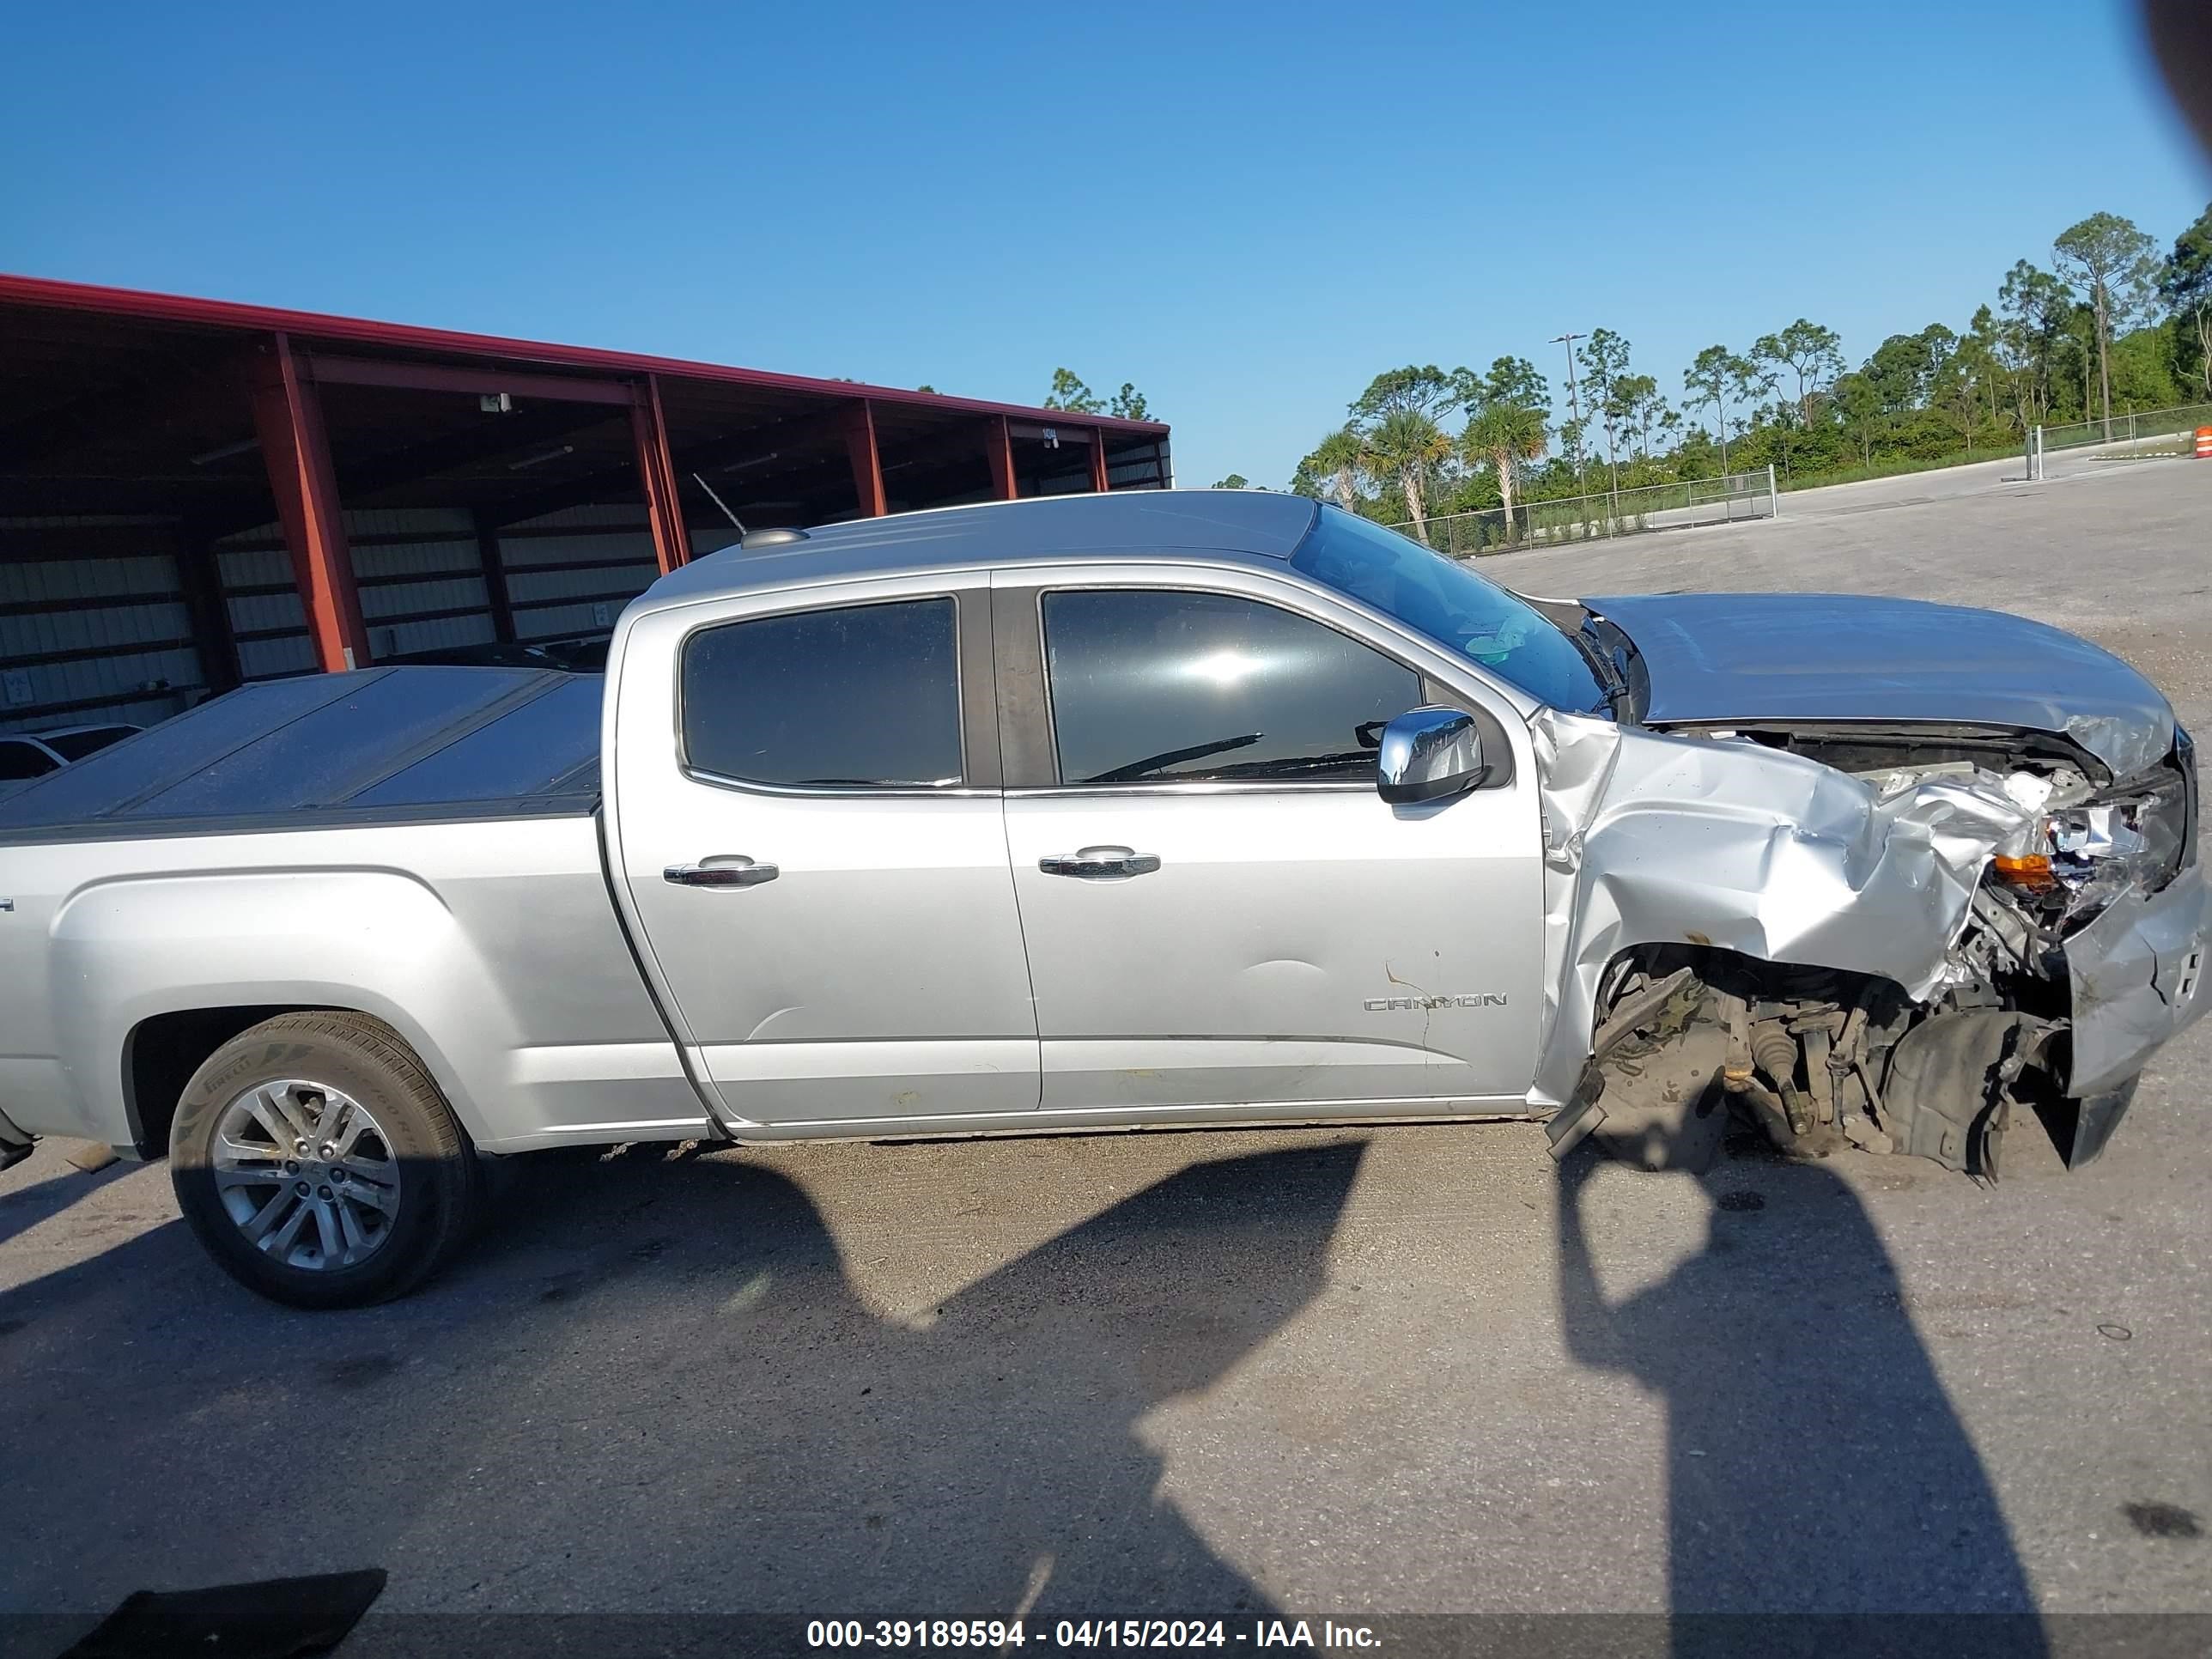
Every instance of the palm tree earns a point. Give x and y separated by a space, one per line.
1338 459
1404 444
1506 436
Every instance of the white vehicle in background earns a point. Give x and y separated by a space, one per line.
26 757
1100 812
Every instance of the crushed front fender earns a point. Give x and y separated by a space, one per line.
1650 839
2134 973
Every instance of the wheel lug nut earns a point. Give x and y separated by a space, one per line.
300 1187
322 1191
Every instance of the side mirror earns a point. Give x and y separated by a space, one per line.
1428 754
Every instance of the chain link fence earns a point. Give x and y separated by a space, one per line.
2154 431
1733 499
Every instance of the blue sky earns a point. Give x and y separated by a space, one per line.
1247 210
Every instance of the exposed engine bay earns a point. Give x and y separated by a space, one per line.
1908 978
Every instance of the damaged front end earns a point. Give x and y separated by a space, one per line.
1844 935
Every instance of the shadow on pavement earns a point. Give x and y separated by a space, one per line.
1814 1464
40 1200
655 1387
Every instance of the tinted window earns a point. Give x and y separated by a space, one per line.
868 695
23 760
1445 600
1154 685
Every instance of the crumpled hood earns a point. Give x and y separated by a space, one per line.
1823 657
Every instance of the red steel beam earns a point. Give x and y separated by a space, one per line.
656 471
356 330
289 419
330 369
867 460
1098 481
999 442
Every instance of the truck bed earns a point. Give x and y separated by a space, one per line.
415 843
382 745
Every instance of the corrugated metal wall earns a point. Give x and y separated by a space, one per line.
571 572
254 574
93 625
421 579
420 576
1140 466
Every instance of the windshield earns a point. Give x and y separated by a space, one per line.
1445 600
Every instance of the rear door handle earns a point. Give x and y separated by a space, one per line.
1100 863
721 872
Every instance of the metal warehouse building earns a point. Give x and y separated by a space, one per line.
195 494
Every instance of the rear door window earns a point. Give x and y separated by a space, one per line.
856 697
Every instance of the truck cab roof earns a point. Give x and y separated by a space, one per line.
1252 525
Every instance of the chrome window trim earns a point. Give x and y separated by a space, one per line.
852 792
1200 786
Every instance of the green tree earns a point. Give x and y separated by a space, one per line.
1637 404
2185 285
1811 353
1956 390
1506 436
1715 376
1405 445
1069 393
1859 403
1510 408
1234 481
1605 360
1413 389
1128 405
2117 264
2033 306
1512 380
1337 458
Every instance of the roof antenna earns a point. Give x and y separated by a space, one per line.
720 502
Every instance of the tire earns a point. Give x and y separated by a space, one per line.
360 1218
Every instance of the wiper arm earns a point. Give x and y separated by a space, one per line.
1152 764
1609 677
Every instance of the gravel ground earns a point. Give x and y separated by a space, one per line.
1398 1371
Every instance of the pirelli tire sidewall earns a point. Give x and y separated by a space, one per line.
440 1190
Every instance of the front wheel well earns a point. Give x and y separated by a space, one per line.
163 1051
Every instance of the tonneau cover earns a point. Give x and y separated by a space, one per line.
381 743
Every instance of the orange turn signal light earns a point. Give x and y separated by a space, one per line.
2031 874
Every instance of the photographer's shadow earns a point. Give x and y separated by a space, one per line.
987 1461
1814 1464
660 1385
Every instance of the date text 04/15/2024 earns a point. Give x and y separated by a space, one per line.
1000 1634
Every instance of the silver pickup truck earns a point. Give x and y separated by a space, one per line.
1102 812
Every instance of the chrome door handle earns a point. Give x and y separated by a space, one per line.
1101 863
728 872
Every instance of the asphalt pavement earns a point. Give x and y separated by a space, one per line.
1380 1371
